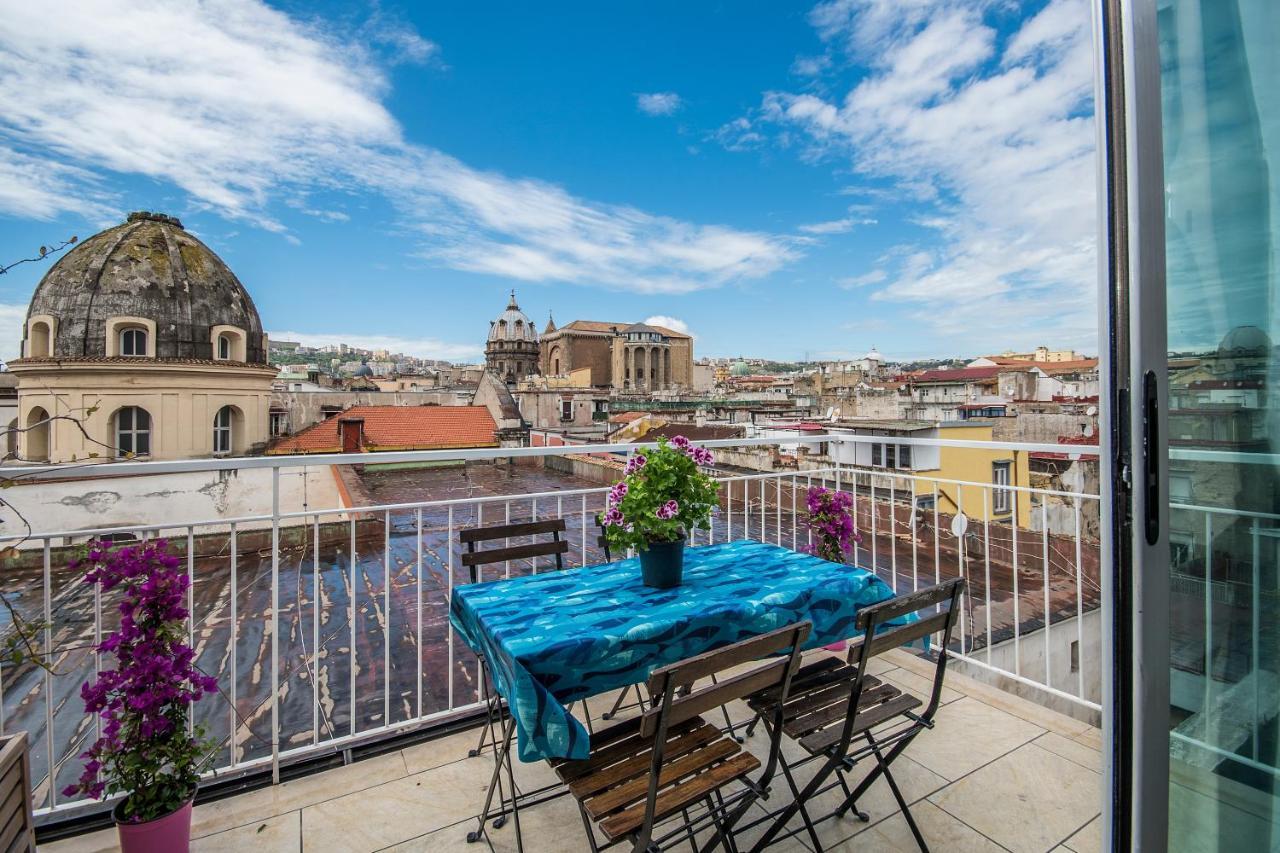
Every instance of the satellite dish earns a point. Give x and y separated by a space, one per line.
959 525
1088 430
1091 411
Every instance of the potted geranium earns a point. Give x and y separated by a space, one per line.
145 751
831 523
663 495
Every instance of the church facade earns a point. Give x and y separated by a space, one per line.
624 357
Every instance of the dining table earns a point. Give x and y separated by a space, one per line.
554 638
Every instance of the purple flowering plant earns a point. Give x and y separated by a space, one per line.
664 494
831 522
144 702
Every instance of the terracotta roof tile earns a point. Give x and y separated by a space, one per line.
400 428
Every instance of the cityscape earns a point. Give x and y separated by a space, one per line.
450 427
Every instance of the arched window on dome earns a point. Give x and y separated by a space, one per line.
40 337
133 341
224 347
133 431
222 438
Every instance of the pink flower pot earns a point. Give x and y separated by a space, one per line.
168 834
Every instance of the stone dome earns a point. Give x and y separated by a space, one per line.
363 370
1245 339
740 368
513 325
149 267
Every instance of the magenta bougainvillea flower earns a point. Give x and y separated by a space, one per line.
145 750
831 521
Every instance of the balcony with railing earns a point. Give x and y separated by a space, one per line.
328 631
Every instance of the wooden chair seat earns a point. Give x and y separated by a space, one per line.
613 782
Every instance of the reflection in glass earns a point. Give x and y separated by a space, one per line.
1221 127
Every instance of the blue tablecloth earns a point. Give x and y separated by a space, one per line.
554 638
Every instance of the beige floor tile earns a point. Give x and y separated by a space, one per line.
919 685
1090 737
968 734
941 831
320 787
1087 840
230 812
397 811
1071 749
1028 800
102 841
445 750
1206 823
281 834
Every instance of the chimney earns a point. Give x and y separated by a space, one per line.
351 432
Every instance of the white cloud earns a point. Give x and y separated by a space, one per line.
672 323
875 276
12 320
419 347
990 139
836 226
658 103
244 108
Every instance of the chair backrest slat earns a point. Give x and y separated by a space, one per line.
508 531
712 696
677 676
515 552
689 670
474 557
910 602
903 634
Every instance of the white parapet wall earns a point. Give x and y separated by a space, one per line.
172 500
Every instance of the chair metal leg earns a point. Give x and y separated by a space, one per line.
492 709
725 829
586 716
495 784
794 806
622 698
804 812
849 801
728 724
897 794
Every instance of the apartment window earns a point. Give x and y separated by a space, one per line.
877 455
222 430
224 347
133 341
1001 495
904 456
566 410
279 424
133 432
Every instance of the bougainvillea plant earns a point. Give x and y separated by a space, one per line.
145 750
663 495
831 522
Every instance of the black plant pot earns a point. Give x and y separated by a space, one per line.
662 564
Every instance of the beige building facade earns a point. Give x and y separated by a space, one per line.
633 357
140 342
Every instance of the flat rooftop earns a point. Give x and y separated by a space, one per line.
997 773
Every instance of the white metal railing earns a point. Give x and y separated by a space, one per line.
335 631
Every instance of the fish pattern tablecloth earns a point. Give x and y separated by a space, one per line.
554 638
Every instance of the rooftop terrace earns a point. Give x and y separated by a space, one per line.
998 773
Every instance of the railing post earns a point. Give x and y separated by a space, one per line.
275 625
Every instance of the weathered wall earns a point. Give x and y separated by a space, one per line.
181 399
1041 427
173 500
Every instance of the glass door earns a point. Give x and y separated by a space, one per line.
1219 85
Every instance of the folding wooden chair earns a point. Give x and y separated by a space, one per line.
475 559
669 761
840 713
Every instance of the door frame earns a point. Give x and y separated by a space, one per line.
1134 488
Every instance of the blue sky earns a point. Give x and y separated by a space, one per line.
782 180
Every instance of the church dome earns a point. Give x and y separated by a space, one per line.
150 268
1245 339
513 325
363 370
741 368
